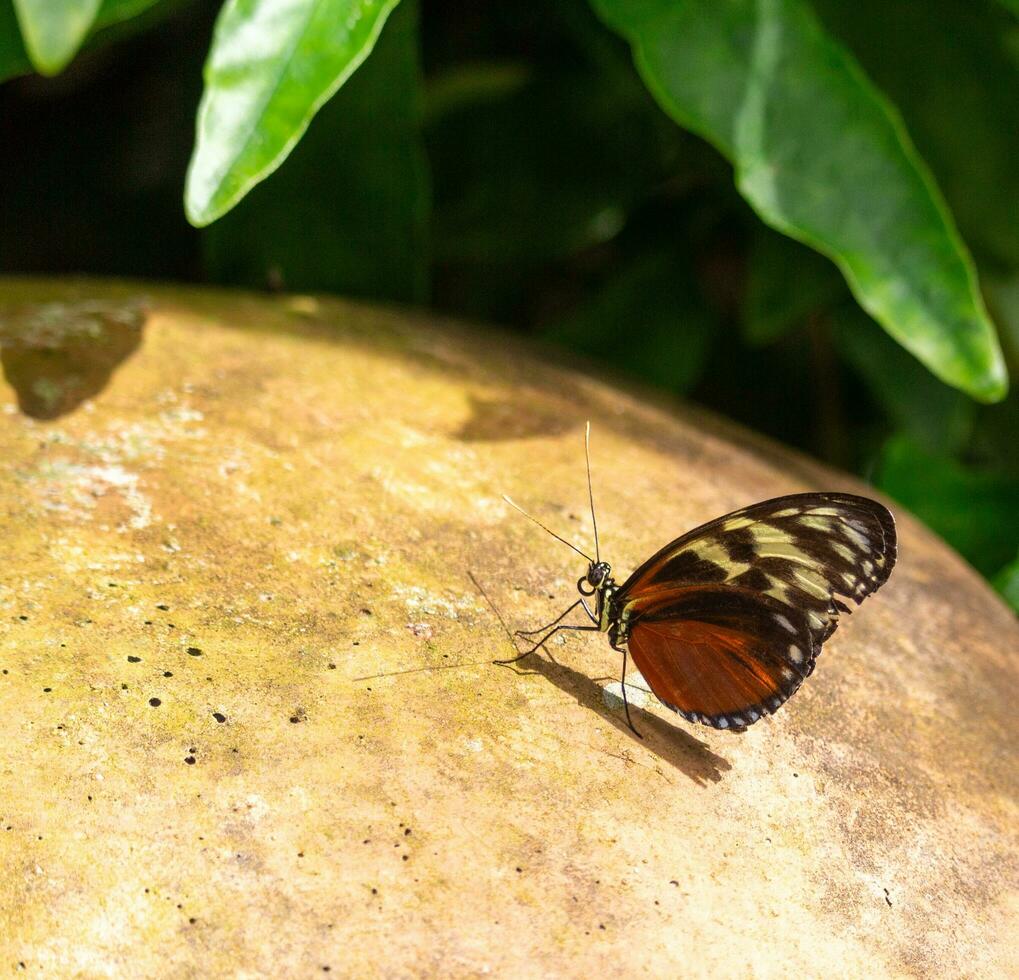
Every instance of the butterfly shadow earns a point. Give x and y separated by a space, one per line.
682 751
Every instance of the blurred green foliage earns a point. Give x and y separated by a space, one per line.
797 212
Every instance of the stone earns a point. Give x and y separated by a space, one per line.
250 723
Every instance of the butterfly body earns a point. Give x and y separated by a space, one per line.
726 621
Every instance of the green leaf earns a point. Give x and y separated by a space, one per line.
1007 583
822 157
974 509
349 211
53 30
115 11
949 71
14 60
271 68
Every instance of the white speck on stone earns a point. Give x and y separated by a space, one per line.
475 744
612 695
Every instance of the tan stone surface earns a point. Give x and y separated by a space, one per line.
297 489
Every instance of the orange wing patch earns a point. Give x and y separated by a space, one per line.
721 655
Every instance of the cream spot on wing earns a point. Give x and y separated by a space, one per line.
795 654
715 553
788 512
787 674
784 623
818 523
735 523
843 550
860 540
772 535
812 583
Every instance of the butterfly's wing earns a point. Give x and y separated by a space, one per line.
804 551
720 654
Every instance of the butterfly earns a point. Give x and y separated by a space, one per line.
726 622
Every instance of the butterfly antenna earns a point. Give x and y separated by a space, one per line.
542 526
590 491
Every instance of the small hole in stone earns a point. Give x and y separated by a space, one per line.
155 702
163 606
219 716
134 660
190 760
168 673
194 651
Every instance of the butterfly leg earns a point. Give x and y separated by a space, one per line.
552 632
622 683
558 619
